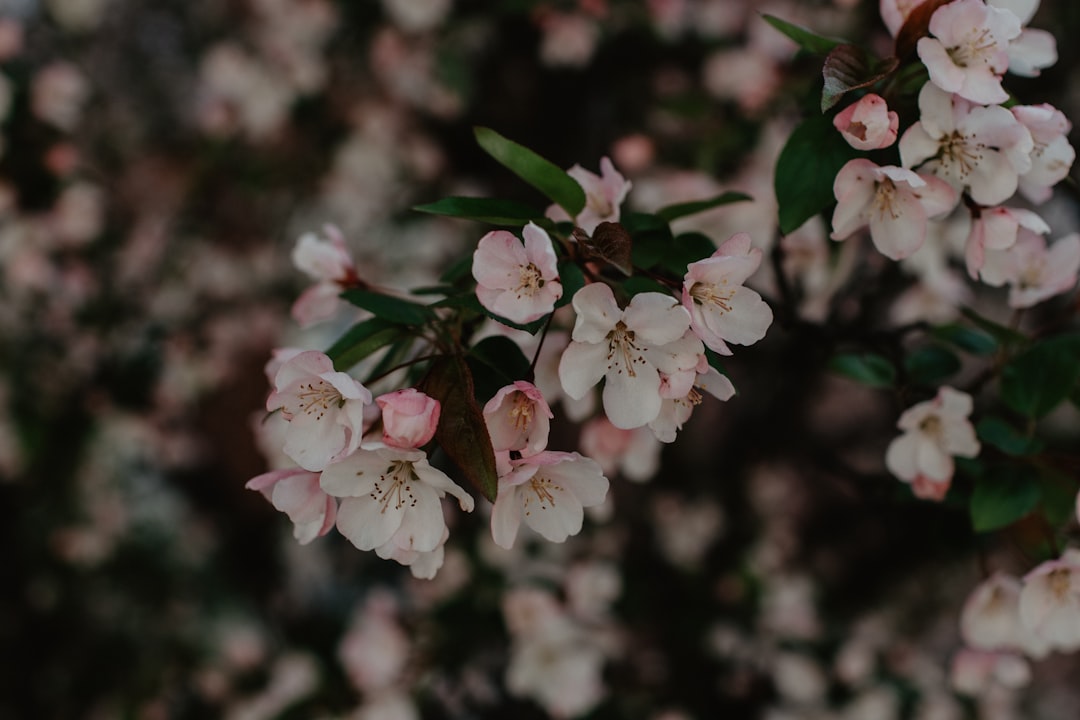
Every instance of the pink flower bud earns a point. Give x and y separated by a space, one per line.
409 418
868 124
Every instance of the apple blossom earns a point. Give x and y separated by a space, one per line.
604 194
679 403
1050 602
391 494
1034 272
549 490
990 619
973 671
409 418
968 52
296 492
893 201
868 124
325 409
934 431
634 454
517 418
519 283
1032 50
1051 156
895 12
630 348
721 308
996 229
329 263
423 565
981 149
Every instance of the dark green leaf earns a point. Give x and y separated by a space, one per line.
652 238
685 249
639 284
849 68
458 270
1004 335
572 280
967 339
809 41
674 212
930 365
361 340
1058 496
390 308
461 432
1003 497
496 362
805 172
866 368
998 433
542 174
486 210
1036 381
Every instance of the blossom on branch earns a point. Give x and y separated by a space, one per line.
518 418
328 262
1050 602
1051 155
296 492
409 418
518 282
1034 271
604 194
868 124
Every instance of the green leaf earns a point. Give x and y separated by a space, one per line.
652 238
930 365
685 249
640 284
805 172
486 210
361 340
542 174
674 212
1036 381
1003 497
461 432
850 68
387 307
1003 335
866 368
496 361
1058 496
967 339
809 41
572 280
998 433
458 270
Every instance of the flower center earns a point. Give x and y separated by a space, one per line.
974 48
1060 582
883 199
395 487
709 293
931 426
521 412
541 488
958 152
316 398
623 351
599 204
530 280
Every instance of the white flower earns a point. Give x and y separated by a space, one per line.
549 491
630 348
325 409
1050 602
391 494
604 195
1051 156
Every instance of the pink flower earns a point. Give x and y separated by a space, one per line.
981 149
1052 156
721 309
1050 602
973 672
990 619
1034 272
518 418
635 454
391 495
329 263
409 418
895 12
1032 50
296 492
629 348
519 283
548 491
868 124
325 409
679 402
997 229
604 194
894 202
968 52
934 431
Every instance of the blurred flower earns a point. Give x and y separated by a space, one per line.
296 492
604 196
934 431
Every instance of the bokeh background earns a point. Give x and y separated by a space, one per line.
159 160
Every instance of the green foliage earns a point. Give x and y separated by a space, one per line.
651 238
572 280
931 365
542 174
1003 335
1005 495
389 308
1036 381
866 368
805 172
485 210
807 40
361 340
998 433
461 432
674 212
496 361
966 339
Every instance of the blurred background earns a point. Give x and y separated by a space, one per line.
158 161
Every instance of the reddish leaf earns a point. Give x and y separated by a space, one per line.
916 26
849 68
462 433
611 243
